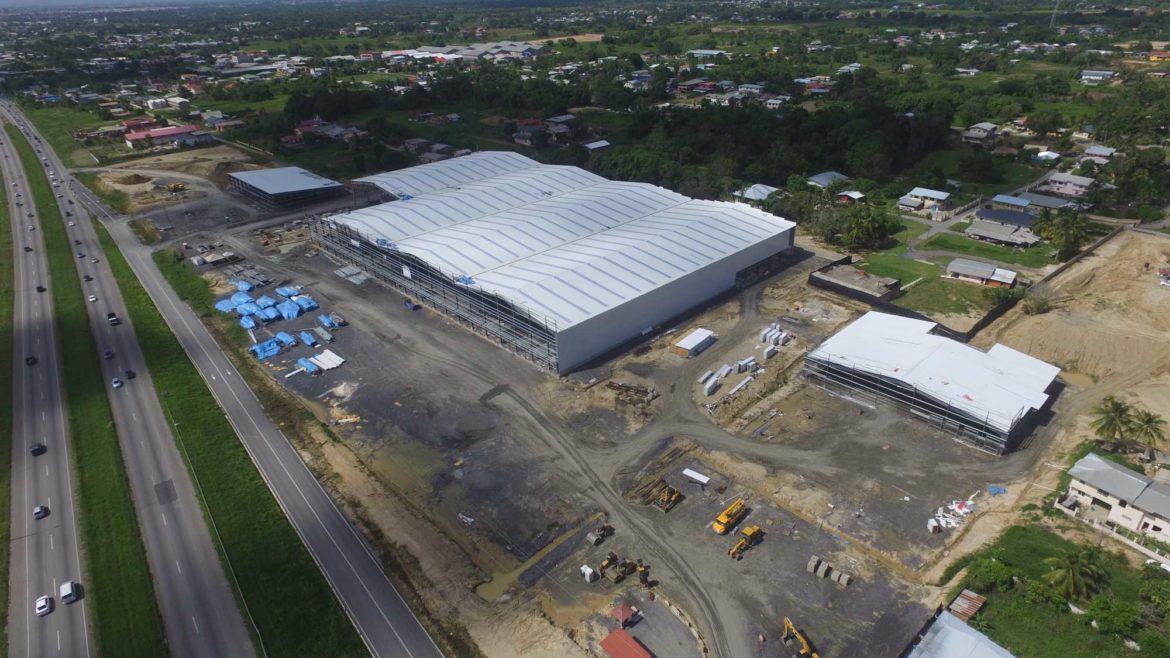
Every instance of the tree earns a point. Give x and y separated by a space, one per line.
1147 427
868 226
1112 418
1075 574
1067 230
1114 617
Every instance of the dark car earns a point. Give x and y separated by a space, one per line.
77 242
129 374
107 355
40 512
40 288
30 360
38 449
80 255
87 277
27 248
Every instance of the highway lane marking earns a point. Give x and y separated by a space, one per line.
164 518
46 470
195 623
179 567
58 640
50 541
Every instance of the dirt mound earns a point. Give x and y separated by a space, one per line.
132 179
219 173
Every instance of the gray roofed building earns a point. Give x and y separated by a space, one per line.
970 268
1105 492
284 186
950 637
826 179
757 192
1098 151
1044 201
1002 234
1004 216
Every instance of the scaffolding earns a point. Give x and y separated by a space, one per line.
517 329
990 432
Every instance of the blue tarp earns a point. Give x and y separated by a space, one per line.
309 366
268 314
241 298
243 286
247 322
326 321
225 306
308 338
264 301
265 350
286 339
247 309
286 291
289 310
305 302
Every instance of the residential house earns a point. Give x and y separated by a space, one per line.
756 89
597 145
160 136
985 274
155 104
689 86
982 134
1044 202
923 198
1005 217
1092 77
1046 158
849 68
1003 234
431 156
1099 154
417 145
1008 202
178 102
755 193
704 53
827 179
1069 185
776 102
1108 493
1159 55
851 196
967 72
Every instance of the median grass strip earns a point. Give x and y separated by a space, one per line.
119 589
7 294
295 611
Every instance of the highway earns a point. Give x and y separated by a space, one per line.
197 603
44 552
384 620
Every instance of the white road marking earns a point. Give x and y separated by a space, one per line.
180 568
195 623
50 541
58 640
46 470
164 518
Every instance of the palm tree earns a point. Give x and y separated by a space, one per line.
1069 233
1076 574
1113 418
1147 427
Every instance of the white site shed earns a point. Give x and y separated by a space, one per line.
694 342
553 262
984 395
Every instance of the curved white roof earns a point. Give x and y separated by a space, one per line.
560 241
448 174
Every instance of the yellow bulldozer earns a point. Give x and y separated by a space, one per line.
750 536
795 640
730 517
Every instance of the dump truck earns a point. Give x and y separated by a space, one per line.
750 536
730 517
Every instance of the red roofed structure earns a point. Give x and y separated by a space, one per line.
620 644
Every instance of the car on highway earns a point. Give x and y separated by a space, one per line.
112 318
72 224
27 248
107 355
30 215
31 227
44 606
87 278
93 260
93 298
38 449
60 196
70 201
80 255
19 204
40 512
40 288
69 214
116 383
129 374
77 242
30 360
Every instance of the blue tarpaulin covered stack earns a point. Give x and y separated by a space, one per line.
286 339
264 301
326 321
247 309
241 298
265 350
309 366
308 338
225 305
286 291
247 322
306 302
268 314
289 310
243 286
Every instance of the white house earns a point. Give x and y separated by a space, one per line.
1069 185
1111 494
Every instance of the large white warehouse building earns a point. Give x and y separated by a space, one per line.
555 263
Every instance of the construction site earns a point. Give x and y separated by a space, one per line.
718 511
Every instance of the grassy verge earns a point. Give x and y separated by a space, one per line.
1025 616
7 292
1036 256
116 199
125 617
301 426
294 609
145 231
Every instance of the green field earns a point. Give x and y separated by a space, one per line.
125 618
1036 256
274 104
1029 625
56 125
294 609
6 310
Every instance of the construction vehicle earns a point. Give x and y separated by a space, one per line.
794 639
627 567
611 560
668 498
599 534
730 517
750 536
643 573
615 575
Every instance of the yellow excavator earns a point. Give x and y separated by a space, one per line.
794 639
730 517
750 536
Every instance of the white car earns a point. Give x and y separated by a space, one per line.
43 606
116 383
93 298
72 224
31 227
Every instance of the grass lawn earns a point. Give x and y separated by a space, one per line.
959 227
57 125
145 231
1043 630
116 199
1036 256
6 310
125 617
294 609
274 104
1015 174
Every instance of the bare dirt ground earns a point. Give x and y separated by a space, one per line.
211 163
583 38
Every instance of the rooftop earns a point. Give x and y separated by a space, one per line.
949 637
1002 216
827 179
284 180
1000 385
757 192
1110 477
1009 200
927 193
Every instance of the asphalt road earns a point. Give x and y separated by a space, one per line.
197 603
386 623
45 553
